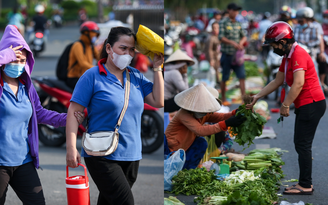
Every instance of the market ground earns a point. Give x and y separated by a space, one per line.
284 140
148 189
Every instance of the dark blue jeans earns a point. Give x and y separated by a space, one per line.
193 155
226 64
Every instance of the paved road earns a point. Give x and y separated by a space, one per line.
284 141
148 190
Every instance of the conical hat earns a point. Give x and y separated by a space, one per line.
179 55
197 99
213 91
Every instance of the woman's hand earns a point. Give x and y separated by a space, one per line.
250 106
158 60
17 52
73 157
79 117
284 110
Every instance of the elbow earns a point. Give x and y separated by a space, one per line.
300 86
160 104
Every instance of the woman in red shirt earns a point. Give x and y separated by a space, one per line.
297 71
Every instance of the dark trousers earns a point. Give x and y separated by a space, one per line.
71 82
25 182
306 122
114 179
193 154
170 105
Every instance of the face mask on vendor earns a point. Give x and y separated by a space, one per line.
199 115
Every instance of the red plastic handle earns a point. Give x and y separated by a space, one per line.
85 173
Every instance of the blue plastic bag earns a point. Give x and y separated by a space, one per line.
172 165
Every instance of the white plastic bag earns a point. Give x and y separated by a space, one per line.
172 165
287 203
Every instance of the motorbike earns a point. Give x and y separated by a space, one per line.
55 95
58 22
37 44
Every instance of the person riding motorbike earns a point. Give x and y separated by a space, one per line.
81 56
40 21
306 33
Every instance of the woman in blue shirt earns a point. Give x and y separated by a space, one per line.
101 91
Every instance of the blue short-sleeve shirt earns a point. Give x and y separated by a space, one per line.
103 95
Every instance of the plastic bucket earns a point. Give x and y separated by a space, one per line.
77 188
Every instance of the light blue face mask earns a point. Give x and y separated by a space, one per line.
303 26
14 70
94 39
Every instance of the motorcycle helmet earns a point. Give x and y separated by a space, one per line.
89 26
325 13
278 31
39 8
285 10
305 12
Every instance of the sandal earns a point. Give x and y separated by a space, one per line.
294 185
301 192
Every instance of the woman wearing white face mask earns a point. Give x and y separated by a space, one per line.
184 131
101 89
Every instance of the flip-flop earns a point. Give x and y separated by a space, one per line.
294 185
298 193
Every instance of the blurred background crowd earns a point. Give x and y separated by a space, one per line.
194 27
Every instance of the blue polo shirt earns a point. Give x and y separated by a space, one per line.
15 115
103 95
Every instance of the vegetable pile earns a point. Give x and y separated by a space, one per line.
252 127
257 186
251 69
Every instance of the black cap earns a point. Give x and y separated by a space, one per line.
233 6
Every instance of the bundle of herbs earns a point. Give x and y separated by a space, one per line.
252 127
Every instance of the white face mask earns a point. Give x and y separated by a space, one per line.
199 115
121 61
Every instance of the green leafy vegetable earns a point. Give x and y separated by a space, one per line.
251 128
172 201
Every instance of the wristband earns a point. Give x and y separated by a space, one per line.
285 105
158 69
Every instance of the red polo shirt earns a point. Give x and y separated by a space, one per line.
299 59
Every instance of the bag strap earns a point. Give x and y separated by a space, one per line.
126 100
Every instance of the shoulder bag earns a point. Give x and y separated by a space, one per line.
104 143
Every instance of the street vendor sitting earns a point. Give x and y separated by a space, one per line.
184 131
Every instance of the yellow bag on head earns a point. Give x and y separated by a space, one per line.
148 42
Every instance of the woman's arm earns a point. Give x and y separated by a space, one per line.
156 98
196 127
179 81
296 87
72 155
9 54
217 117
